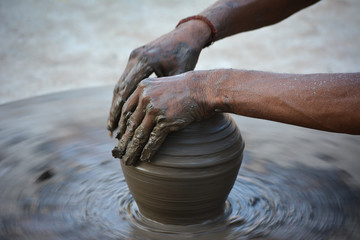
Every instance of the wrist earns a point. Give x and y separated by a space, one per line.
214 85
196 31
202 91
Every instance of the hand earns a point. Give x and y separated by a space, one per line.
173 53
157 107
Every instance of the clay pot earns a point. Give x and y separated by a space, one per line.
190 177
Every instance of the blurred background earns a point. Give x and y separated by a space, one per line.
56 45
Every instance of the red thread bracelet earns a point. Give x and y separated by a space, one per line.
205 20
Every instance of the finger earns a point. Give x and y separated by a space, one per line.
127 111
133 122
122 124
135 71
117 101
115 111
156 139
141 136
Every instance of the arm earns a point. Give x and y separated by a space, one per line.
178 51
236 16
327 102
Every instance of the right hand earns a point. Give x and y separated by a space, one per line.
173 53
158 106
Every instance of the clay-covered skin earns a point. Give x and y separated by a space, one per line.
158 106
173 53
178 51
191 175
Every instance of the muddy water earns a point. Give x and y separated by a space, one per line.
58 180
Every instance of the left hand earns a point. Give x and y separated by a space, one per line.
173 53
157 106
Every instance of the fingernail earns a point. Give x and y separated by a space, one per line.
117 152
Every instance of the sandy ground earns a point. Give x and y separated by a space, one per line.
49 46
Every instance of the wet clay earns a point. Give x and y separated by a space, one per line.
190 177
58 179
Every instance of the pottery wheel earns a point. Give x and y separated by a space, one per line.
58 179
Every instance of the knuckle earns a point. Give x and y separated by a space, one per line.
131 124
134 53
151 141
145 83
124 111
118 103
122 92
142 84
127 115
145 96
140 134
152 110
116 89
160 119
119 83
162 126
137 52
126 108
124 121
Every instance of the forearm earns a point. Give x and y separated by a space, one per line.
327 102
235 16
